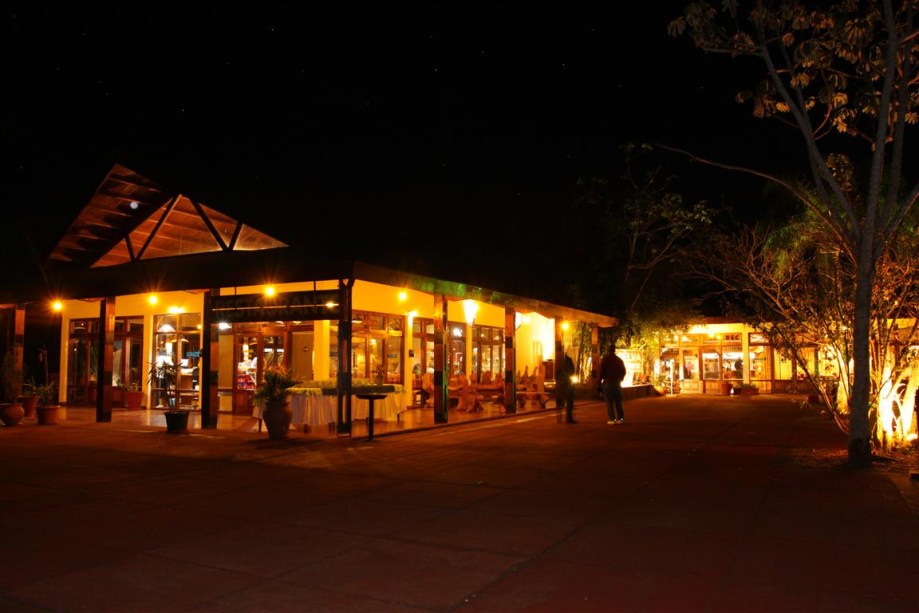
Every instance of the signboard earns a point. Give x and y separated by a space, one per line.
289 306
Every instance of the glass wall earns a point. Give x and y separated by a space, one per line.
376 350
177 343
487 352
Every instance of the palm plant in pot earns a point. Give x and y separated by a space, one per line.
29 397
164 374
273 396
48 405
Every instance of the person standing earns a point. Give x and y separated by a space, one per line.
612 372
564 388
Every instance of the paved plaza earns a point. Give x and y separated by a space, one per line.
695 503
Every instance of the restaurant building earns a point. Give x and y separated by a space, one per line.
719 356
145 275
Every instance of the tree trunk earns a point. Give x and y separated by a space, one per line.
859 426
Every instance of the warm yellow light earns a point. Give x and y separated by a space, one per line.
269 290
564 325
471 309
403 296
331 305
57 306
153 299
574 378
174 309
412 315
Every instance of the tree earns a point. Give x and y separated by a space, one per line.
626 238
844 70
793 283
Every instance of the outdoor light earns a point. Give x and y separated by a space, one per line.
403 296
152 299
223 326
57 306
269 290
519 319
470 308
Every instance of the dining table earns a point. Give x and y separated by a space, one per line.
315 406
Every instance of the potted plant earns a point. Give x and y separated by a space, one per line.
133 396
748 389
272 395
11 411
28 398
48 406
164 374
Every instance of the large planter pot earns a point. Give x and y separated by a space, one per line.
277 416
133 400
176 421
47 414
11 413
28 404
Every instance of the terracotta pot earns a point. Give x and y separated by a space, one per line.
28 404
176 421
277 417
11 413
47 414
133 400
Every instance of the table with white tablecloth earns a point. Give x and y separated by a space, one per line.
315 406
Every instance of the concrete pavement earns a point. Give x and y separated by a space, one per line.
696 503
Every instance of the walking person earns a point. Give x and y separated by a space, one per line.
564 388
612 372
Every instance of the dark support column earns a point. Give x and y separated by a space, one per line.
105 360
559 347
441 399
19 339
344 357
510 360
594 356
208 369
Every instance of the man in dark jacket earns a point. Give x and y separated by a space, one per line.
612 372
564 387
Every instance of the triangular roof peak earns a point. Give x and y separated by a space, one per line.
131 218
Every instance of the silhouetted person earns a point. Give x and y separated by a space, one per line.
612 372
564 388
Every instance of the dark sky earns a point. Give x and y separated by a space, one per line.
420 119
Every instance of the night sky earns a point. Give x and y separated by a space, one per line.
412 126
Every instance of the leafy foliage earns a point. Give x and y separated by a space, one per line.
626 236
841 74
275 385
10 378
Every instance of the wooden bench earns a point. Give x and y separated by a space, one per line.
524 396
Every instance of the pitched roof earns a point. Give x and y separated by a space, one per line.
131 218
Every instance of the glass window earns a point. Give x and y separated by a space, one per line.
732 364
711 365
690 364
177 342
376 346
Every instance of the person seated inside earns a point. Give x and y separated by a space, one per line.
427 388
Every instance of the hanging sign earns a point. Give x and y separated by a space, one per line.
289 306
